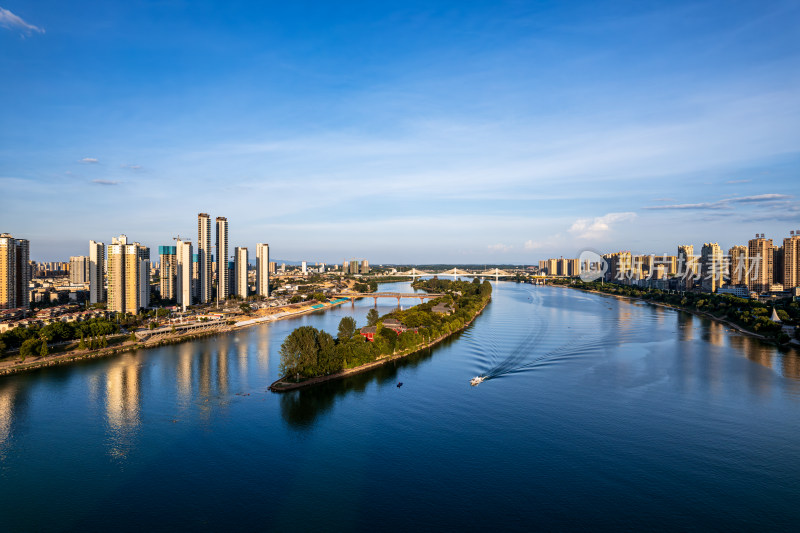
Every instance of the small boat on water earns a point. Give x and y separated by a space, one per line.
477 380
399 384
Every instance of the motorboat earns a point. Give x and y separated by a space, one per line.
477 380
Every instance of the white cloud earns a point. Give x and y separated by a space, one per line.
105 182
12 22
89 160
500 247
132 167
598 227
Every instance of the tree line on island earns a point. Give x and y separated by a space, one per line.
308 352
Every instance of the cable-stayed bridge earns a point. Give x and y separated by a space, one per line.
456 272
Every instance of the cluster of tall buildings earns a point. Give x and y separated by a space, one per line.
188 274
560 267
761 266
355 266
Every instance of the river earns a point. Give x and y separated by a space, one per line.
597 413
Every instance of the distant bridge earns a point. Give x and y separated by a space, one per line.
398 295
456 272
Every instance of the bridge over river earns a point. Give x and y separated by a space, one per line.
421 295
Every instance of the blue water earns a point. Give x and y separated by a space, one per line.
598 413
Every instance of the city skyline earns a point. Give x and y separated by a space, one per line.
422 133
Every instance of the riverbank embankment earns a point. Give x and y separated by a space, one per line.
793 342
158 339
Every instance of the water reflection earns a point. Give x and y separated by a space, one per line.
685 326
790 364
263 346
184 373
123 397
300 409
8 395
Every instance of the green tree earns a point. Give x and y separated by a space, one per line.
2 348
29 347
347 327
103 342
82 343
299 352
133 336
372 317
245 307
43 351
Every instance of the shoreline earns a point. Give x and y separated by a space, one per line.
10 366
280 386
702 314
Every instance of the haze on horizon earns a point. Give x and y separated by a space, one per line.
403 132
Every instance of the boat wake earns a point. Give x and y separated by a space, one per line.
531 352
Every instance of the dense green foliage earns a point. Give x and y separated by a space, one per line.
308 352
372 317
59 331
749 314
347 327
370 286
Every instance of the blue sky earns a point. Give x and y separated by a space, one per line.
469 132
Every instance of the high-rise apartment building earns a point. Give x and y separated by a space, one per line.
273 266
264 267
14 272
364 266
711 267
123 276
552 267
759 252
168 261
620 266
223 275
144 275
79 269
738 266
204 258
97 272
304 267
687 267
240 261
184 278
777 264
791 260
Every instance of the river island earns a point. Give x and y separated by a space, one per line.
310 356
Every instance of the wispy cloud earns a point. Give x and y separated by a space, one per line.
725 202
89 160
105 182
11 21
500 247
598 227
760 198
733 182
132 167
